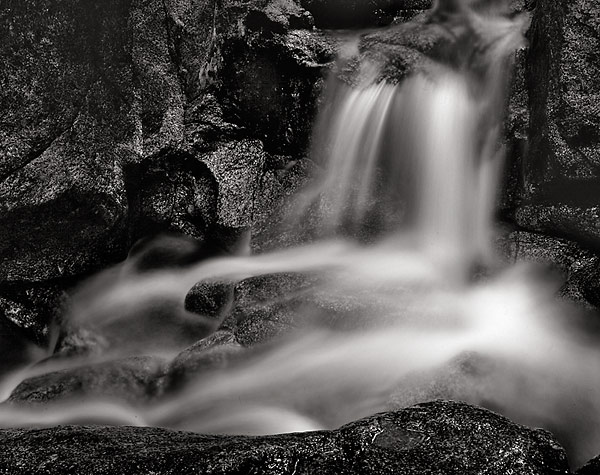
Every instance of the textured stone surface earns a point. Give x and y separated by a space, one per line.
432 438
67 127
111 114
357 13
559 219
564 86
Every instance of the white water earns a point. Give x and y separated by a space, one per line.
419 163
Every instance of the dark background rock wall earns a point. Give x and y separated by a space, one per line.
127 118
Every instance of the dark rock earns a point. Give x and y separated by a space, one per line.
271 86
432 438
357 13
278 16
16 350
173 193
565 220
404 49
206 126
562 75
209 354
238 168
275 217
67 127
590 468
261 325
131 379
110 110
211 299
274 306
33 307
576 267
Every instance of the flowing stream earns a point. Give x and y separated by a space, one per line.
414 167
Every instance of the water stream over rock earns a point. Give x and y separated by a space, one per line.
404 212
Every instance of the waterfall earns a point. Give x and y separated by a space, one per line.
412 170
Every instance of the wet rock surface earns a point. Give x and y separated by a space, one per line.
433 438
131 380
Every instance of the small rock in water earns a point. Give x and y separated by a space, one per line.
210 299
131 379
209 354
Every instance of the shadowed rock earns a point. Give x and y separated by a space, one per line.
590 468
360 14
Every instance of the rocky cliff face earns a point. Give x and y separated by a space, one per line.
561 164
128 118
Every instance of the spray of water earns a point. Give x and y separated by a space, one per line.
419 163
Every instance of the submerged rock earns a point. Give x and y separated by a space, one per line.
433 438
131 379
209 354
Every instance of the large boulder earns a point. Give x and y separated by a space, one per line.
432 438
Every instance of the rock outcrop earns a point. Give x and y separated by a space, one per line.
132 118
438 437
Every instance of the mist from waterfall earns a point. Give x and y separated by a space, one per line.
405 209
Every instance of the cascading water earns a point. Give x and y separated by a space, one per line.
417 162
